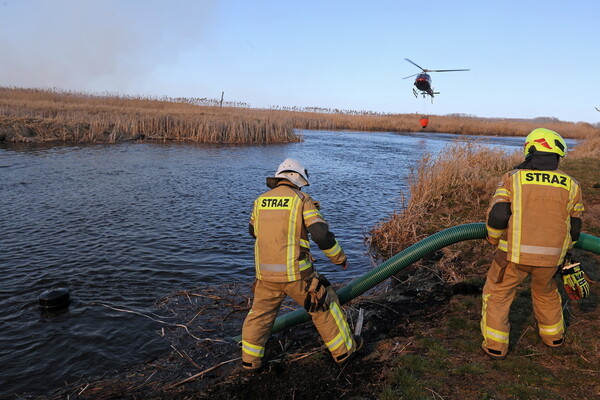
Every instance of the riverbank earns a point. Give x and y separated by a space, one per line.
34 115
421 329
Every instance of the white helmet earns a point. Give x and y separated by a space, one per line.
293 171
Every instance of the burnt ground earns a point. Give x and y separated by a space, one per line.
297 363
421 342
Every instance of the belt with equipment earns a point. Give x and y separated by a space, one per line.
319 294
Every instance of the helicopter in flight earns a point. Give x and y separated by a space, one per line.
423 80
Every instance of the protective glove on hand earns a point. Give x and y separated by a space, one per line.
576 282
491 240
344 264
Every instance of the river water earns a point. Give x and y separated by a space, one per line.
130 223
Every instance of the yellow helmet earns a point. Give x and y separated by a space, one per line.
545 140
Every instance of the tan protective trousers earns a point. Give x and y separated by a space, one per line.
268 296
498 294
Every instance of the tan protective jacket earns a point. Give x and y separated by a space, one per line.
280 218
542 204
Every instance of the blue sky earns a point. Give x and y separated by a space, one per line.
527 59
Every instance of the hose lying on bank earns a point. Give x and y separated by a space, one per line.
405 258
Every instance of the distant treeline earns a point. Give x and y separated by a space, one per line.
35 115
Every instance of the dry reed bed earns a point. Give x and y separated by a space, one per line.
590 148
451 189
35 115
462 125
47 115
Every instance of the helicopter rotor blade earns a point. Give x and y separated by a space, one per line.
447 70
416 65
410 76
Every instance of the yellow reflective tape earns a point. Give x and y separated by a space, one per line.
341 324
495 233
545 178
502 192
552 330
567 243
255 215
332 252
503 245
256 261
252 349
311 214
483 323
572 196
517 214
486 331
291 245
305 264
496 335
275 203
305 243
335 342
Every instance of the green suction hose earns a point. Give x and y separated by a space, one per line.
405 258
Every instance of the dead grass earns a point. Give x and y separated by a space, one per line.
451 189
590 148
455 187
456 124
30 115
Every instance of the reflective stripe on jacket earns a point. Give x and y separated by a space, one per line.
541 204
280 218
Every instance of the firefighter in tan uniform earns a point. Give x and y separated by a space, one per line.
282 219
533 219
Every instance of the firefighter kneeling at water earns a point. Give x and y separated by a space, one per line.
281 220
533 219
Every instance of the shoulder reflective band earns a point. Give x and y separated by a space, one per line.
546 178
275 203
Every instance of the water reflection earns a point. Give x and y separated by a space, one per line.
129 223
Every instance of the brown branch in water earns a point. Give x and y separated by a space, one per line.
183 354
198 313
161 322
208 296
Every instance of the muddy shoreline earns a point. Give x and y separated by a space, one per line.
204 361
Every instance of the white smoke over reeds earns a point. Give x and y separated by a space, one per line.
95 45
